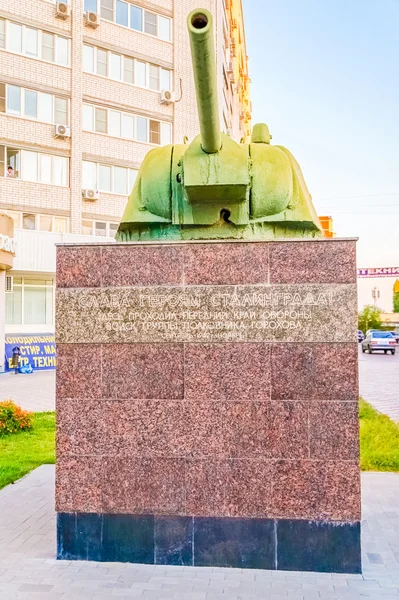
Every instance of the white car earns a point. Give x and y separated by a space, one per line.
379 340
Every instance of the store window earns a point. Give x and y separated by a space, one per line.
31 302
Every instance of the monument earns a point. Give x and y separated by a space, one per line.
207 365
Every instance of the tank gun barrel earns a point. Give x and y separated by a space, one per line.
200 27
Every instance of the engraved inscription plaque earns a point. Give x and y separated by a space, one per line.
270 313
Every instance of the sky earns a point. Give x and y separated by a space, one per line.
325 78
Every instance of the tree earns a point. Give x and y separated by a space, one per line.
396 303
369 318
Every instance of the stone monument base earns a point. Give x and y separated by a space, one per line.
207 404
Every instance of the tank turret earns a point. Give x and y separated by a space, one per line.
215 188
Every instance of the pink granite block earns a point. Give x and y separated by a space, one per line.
334 430
226 264
137 485
317 489
78 372
78 267
79 484
313 262
81 428
311 372
287 430
229 488
142 371
227 371
131 265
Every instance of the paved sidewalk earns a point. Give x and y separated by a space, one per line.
379 381
29 571
35 392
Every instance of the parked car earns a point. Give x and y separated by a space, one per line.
379 340
360 336
395 335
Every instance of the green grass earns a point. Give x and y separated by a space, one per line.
24 451
379 440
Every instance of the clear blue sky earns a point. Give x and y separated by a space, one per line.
325 78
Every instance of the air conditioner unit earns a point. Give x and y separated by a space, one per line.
92 19
62 10
90 195
9 284
167 97
62 131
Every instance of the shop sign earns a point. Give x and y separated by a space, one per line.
37 350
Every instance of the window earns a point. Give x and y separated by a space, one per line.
89 175
101 120
90 6
48 46
34 166
30 104
166 134
142 126
60 224
101 62
87 227
115 65
100 228
13 161
45 223
107 11
165 79
113 228
87 117
112 179
2 97
104 178
61 110
141 74
136 18
122 13
88 59
164 28
29 165
2 33
150 23
120 180
114 123
128 127
31 42
28 221
45 108
14 38
30 302
62 51
13 100
154 77
155 132
128 69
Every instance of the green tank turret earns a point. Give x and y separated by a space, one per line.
215 188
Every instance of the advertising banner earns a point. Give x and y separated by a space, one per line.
379 272
38 350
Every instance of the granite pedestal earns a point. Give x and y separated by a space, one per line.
207 404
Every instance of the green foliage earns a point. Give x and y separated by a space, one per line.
379 440
13 419
369 318
396 303
31 448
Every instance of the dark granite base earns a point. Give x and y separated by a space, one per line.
293 545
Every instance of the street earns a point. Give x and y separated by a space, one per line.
378 383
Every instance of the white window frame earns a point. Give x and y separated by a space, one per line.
46 286
136 60
135 117
39 43
38 216
157 15
38 92
112 167
21 162
107 228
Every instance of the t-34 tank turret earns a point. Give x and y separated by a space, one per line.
214 187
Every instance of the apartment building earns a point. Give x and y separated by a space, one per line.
87 88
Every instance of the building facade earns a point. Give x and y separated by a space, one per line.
87 88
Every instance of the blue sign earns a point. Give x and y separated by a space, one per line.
36 350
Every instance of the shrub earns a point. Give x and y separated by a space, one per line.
13 418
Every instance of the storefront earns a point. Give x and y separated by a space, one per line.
7 253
